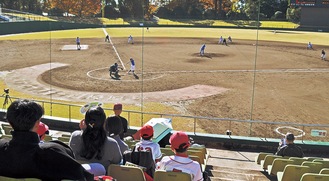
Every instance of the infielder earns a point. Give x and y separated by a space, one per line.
107 38
323 55
130 39
202 49
220 41
309 45
78 43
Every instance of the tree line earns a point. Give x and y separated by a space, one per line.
169 9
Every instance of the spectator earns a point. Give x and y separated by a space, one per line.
146 143
180 162
114 127
288 148
43 129
92 144
24 157
117 108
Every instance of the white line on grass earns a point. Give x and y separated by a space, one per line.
115 50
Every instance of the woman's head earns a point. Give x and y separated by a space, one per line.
94 135
114 125
95 118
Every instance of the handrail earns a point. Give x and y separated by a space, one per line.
178 116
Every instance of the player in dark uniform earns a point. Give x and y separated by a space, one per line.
114 69
107 38
224 42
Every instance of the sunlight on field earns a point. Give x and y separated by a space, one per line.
119 21
171 22
279 24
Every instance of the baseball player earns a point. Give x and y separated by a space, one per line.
114 69
146 143
309 45
220 41
229 39
78 43
224 42
180 162
202 49
130 39
132 65
323 55
107 38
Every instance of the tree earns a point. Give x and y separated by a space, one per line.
77 7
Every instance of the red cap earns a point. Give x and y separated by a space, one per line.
117 106
179 138
43 128
146 131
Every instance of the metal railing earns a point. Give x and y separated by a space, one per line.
195 124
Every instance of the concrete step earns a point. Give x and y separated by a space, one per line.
230 179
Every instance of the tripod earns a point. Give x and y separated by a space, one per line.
7 98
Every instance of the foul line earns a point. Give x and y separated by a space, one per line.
115 50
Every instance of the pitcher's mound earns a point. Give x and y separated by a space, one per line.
74 47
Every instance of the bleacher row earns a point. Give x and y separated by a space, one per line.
294 168
126 172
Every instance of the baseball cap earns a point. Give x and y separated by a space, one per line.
146 131
117 106
179 138
290 136
43 129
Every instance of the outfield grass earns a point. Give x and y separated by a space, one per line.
319 38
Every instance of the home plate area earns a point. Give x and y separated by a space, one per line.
74 47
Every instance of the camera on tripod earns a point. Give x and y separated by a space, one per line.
6 91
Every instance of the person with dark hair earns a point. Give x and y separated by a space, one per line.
117 109
288 148
25 157
180 162
114 128
92 144
146 143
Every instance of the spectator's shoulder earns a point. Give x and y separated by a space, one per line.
56 146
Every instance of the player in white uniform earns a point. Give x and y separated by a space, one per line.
130 39
309 45
180 162
202 49
146 143
220 41
78 43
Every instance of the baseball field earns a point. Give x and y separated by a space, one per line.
261 75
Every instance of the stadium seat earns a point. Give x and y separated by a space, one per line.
292 173
314 177
315 167
261 156
161 175
7 128
268 161
125 173
197 153
324 171
166 151
278 165
324 162
297 160
314 158
2 178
